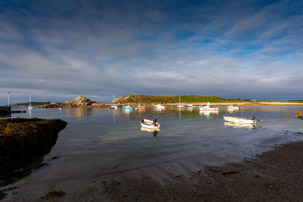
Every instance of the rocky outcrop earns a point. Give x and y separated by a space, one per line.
79 101
21 139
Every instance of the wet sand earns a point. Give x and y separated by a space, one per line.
275 175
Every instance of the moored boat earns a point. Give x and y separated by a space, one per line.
141 107
127 107
179 105
189 105
208 108
30 107
159 106
240 120
233 107
113 107
151 124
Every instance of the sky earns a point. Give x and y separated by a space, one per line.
57 50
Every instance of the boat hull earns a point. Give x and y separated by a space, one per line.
146 123
239 120
131 108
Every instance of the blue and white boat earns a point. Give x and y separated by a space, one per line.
128 107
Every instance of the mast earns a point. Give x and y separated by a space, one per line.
9 93
29 98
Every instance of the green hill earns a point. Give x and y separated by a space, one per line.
133 98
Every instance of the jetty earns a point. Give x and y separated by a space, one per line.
5 110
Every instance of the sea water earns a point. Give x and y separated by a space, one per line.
99 142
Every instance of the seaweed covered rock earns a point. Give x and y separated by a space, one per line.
21 139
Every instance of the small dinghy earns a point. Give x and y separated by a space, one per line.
151 124
231 119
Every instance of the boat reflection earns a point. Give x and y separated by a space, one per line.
127 111
189 108
158 109
232 110
154 132
238 125
208 113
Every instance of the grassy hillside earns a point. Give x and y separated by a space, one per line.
131 98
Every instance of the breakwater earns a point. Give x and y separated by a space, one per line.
5 110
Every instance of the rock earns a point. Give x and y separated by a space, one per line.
55 195
79 101
22 139
287 115
2 195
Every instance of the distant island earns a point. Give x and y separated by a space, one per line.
150 100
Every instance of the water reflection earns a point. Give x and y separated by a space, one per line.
189 108
30 112
237 125
78 112
208 113
154 132
232 110
158 109
127 111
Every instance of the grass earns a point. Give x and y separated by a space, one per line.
131 98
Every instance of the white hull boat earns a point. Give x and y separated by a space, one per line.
159 106
150 124
190 105
30 107
208 108
239 125
233 108
239 120
180 106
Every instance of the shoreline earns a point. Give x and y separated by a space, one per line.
275 175
196 104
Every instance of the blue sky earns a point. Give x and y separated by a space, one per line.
57 50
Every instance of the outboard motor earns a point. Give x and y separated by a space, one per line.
253 118
155 122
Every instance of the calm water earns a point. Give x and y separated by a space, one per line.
97 142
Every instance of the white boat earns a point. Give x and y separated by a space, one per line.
159 106
189 105
30 107
113 106
240 120
180 106
208 108
150 124
239 125
232 108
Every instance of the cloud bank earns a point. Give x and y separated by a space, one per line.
56 50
